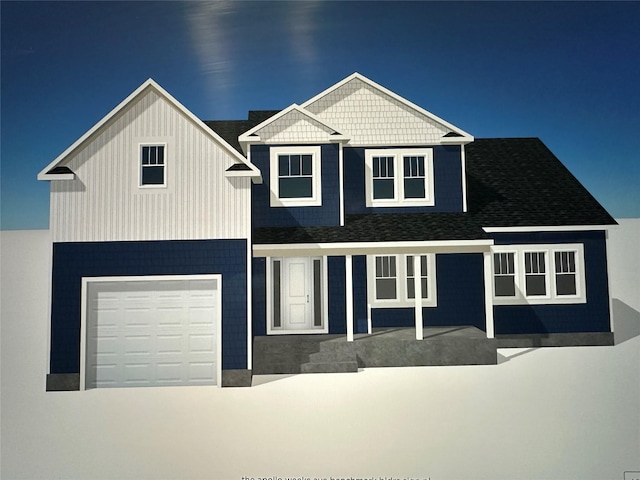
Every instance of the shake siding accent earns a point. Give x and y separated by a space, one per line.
371 117
294 127
105 203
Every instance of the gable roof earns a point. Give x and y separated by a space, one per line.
512 182
253 134
50 172
315 105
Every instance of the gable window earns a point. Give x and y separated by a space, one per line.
539 274
152 165
397 177
391 280
295 176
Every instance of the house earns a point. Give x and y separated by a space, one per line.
179 246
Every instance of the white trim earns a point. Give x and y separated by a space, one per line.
141 278
550 297
149 84
463 165
368 248
316 199
402 298
341 181
348 261
488 293
369 327
541 228
608 252
49 303
465 136
417 288
164 183
269 303
399 199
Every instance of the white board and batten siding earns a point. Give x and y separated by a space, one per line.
105 202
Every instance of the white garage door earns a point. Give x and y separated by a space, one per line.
152 332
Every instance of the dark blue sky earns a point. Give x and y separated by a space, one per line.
568 73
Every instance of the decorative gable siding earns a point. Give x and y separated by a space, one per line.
105 203
294 127
371 117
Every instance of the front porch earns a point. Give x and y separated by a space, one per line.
388 347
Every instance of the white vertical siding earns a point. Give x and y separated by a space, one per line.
105 203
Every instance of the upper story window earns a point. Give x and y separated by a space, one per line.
295 176
392 280
539 274
397 177
152 166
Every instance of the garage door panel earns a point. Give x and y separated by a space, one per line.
143 333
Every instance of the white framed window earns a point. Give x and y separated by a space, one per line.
391 280
397 177
539 274
295 176
153 165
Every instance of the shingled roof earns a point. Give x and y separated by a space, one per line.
511 182
230 130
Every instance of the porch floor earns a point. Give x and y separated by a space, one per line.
385 347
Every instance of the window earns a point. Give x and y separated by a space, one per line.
295 176
386 278
535 273
565 273
397 177
391 280
504 274
539 274
411 286
152 165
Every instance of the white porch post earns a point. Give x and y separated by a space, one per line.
417 283
488 294
349 295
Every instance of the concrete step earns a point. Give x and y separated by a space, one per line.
266 368
332 356
332 367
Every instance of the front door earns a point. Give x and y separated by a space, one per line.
297 300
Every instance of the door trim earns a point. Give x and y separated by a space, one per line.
325 300
146 278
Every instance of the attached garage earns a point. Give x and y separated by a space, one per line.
151 331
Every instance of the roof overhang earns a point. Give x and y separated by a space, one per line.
149 84
369 248
548 228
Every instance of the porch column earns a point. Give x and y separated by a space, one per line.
417 283
348 261
488 294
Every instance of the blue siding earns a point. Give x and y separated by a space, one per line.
263 215
72 261
592 316
460 291
447 170
337 299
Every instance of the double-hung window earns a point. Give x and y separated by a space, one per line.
295 176
539 274
152 165
392 280
399 177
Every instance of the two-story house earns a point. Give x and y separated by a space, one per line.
182 247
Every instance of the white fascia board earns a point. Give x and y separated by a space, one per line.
255 178
456 140
368 248
149 83
561 228
56 176
395 96
249 136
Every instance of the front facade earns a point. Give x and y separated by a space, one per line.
178 243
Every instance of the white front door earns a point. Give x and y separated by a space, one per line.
297 298
297 294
